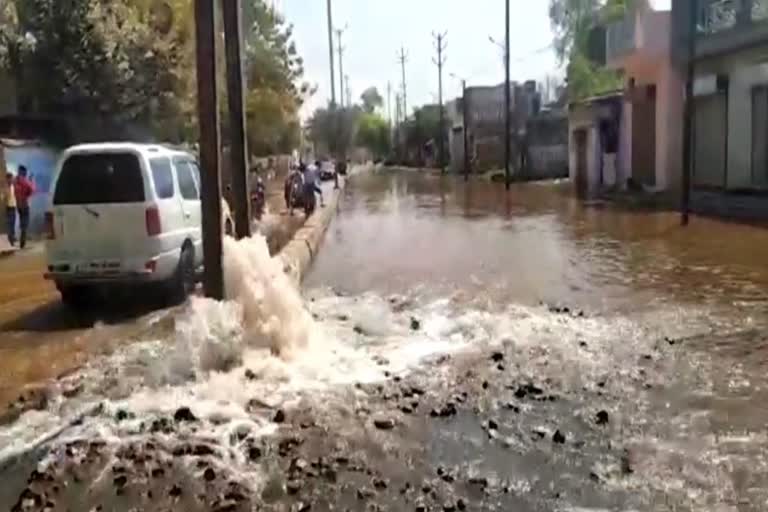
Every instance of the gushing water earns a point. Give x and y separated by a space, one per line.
233 362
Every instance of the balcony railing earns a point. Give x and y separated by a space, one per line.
620 38
721 15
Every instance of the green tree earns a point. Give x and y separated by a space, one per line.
101 61
371 100
373 134
334 130
572 21
127 69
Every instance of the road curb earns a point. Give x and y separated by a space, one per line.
300 251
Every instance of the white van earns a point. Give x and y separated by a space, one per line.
124 214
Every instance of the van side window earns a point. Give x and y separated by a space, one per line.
162 175
187 184
196 172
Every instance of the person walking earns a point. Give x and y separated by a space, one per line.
23 188
316 182
9 200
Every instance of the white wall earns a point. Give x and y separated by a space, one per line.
740 123
745 70
584 120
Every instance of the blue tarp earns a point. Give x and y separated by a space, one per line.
40 161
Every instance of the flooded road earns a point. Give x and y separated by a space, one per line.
674 326
454 347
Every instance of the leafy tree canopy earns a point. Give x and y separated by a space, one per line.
571 22
129 66
371 100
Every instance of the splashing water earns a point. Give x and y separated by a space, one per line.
273 313
267 328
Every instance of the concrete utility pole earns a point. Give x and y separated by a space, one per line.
339 33
688 115
397 125
349 91
440 47
397 108
465 122
330 54
233 32
507 120
213 278
402 58
389 104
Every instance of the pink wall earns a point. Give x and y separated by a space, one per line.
651 64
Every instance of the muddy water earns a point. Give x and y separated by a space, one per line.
672 339
455 348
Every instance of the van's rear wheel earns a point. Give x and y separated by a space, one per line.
184 281
74 296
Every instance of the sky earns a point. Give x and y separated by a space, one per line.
376 30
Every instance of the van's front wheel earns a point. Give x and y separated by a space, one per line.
183 283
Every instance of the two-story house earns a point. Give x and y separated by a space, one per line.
730 135
650 145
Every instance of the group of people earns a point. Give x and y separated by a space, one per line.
301 185
16 195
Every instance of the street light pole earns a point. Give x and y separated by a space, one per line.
507 120
688 115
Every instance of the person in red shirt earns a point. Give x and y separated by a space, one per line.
23 188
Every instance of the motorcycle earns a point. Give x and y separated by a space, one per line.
310 202
294 191
258 202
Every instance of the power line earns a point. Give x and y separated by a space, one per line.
440 46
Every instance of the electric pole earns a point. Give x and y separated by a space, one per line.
397 109
339 33
465 116
688 113
440 46
507 120
349 91
397 125
233 37
330 55
402 59
210 180
389 103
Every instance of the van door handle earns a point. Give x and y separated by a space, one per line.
187 214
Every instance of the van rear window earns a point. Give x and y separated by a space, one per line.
100 178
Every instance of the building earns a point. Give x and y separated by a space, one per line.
454 121
547 145
593 145
650 138
730 135
486 124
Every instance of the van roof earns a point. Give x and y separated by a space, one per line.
145 149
